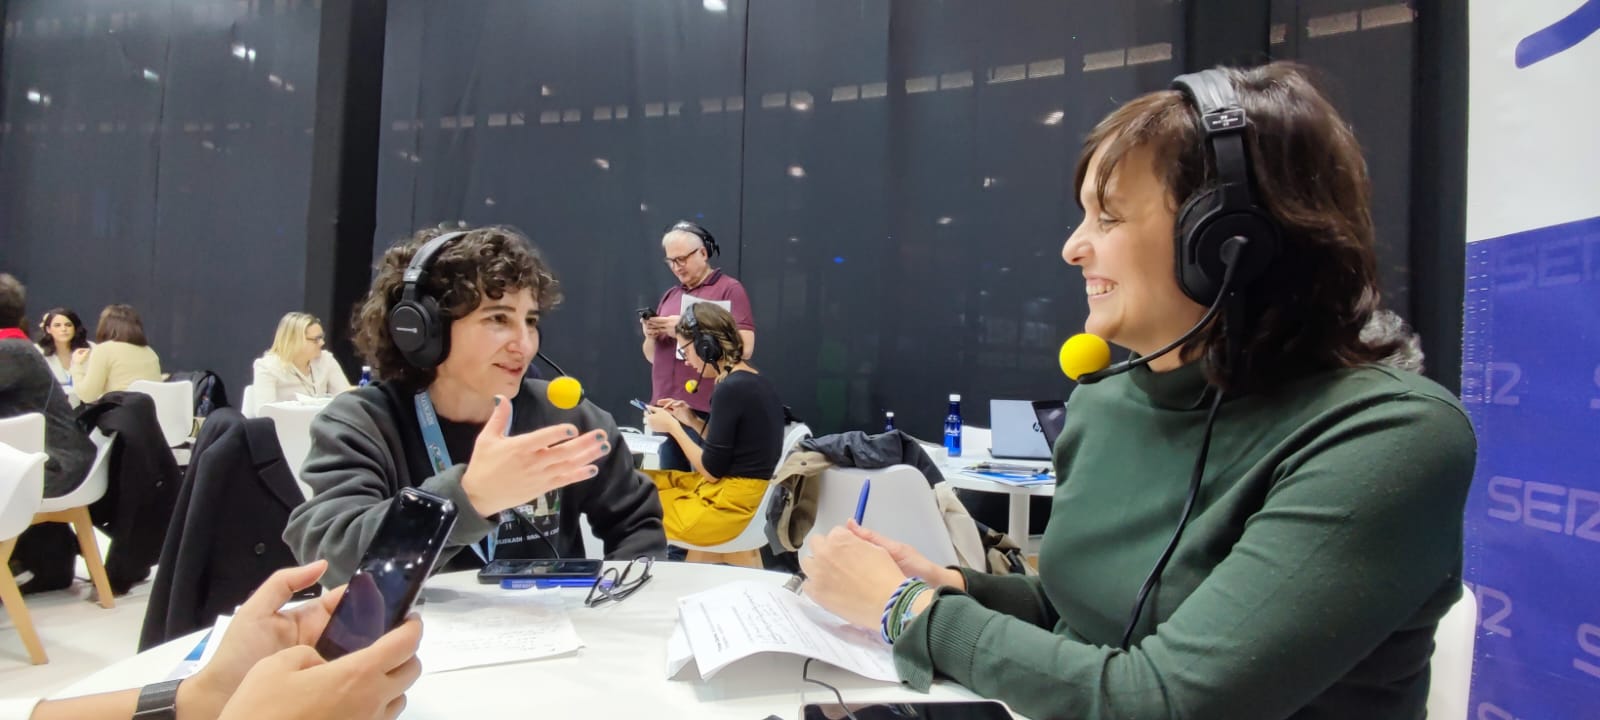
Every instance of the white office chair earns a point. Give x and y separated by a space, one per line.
901 505
745 549
292 421
73 509
249 404
1451 666
21 487
23 432
174 408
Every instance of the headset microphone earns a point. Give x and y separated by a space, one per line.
1085 357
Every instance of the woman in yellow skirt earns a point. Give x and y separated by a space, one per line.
741 439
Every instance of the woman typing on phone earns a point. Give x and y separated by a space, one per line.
734 452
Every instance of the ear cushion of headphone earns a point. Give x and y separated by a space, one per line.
707 347
1203 226
417 331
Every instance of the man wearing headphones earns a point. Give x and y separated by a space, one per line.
689 249
449 327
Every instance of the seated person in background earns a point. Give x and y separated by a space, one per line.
297 364
1323 540
742 437
453 415
43 555
60 334
265 668
27 386
120 356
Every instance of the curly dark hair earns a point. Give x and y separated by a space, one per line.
487 261
1308 310
47 342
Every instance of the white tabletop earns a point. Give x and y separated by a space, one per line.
619 673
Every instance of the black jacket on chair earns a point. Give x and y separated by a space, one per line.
226 536
143 485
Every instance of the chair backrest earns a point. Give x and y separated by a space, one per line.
249 405
1450 671
21 489
23 432
901 505
791 437
292 420
174 407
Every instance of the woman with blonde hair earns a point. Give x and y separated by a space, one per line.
297 364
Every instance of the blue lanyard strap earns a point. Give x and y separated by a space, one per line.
439 458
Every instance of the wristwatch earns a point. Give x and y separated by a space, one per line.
158 701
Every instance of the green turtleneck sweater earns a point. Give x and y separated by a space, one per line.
1325 546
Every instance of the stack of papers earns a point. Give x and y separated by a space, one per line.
1011 474
475 630
721 626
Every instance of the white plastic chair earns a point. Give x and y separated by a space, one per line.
23 432
174 407
292 421
1450 675
73 509
901 505
745 549
21 487
249 405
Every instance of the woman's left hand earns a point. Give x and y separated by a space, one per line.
660 420
80 355
850 577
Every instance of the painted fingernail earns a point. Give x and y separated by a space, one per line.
497 401
605 447
571 432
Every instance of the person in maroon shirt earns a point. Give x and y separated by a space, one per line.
689 249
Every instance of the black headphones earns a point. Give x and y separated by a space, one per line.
1228 210
709 242
704 342
416 325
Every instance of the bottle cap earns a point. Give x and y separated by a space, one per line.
955 398
889 414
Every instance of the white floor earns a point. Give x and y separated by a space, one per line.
78 635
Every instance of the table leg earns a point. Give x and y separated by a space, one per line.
1018 529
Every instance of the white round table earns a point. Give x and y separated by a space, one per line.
976 443
619 673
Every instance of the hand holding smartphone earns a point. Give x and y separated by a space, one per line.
399 559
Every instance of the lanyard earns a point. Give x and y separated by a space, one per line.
439 457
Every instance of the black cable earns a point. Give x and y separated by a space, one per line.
546 358
805 674
528 518
1154 578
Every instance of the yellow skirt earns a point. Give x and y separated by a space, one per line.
697 511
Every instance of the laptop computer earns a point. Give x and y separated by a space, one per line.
1024 429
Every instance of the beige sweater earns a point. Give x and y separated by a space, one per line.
113 366
278 381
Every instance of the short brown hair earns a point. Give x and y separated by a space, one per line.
487 261
719 324
13 302
120 323
1321 289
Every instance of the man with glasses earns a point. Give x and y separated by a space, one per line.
688 249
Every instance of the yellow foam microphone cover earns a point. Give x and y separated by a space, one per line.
565 392
693 386
1084 353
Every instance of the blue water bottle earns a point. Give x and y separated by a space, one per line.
366 376
952 428
888 421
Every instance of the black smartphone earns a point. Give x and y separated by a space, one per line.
401 556
540 569
646 313
956 710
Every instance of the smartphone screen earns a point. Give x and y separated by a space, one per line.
399 559
540 568
958 710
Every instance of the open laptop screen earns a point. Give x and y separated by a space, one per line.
1052 416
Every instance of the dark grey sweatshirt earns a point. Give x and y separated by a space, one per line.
367 444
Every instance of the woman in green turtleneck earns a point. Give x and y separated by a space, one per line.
1325 539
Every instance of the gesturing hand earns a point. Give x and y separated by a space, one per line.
508 471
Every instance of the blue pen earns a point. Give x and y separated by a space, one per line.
861 503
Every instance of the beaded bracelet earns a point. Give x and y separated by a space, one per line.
888 609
